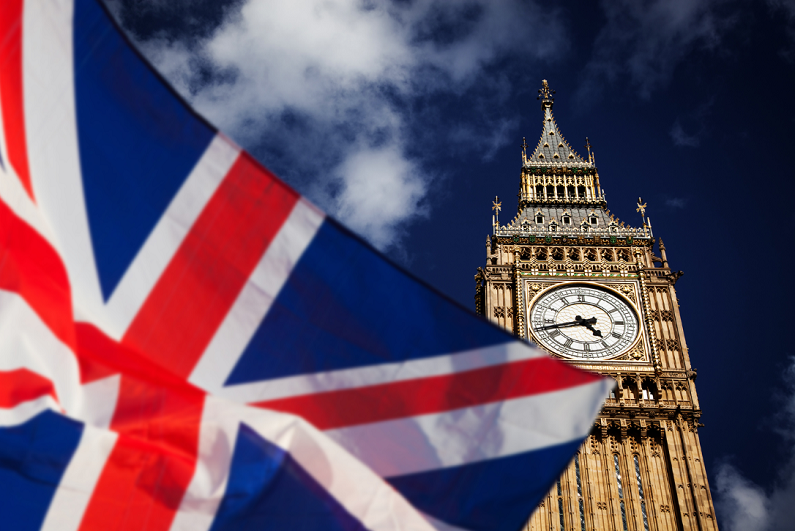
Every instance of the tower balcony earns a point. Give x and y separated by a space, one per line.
546 231
526 200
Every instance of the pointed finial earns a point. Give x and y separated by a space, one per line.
588 147
496 205
641 208
545 94
524 151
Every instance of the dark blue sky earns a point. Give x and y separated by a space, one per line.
687 104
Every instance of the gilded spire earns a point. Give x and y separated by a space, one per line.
545 95
552 149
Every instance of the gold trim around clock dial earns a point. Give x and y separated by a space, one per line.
617 328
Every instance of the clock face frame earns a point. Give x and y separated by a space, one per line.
616 319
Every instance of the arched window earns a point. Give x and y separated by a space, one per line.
579 490
649 391
640 494
593 220
539 218
620 492
566 219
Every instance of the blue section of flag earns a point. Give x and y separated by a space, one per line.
345 306
267 489
495 495
33 458
138 143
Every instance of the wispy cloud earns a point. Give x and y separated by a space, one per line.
676 202
327 92
745 506
642 42
681 138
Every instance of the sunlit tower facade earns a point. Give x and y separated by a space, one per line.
588 288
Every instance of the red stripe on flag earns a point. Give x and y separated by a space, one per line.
30 267
11 91
158 413
362 405
21 385
199 286
152 463
157 417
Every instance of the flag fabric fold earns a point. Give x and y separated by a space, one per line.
188 343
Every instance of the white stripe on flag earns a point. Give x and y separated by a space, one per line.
79 480
468 435
164 240
51 127
380 374
363 494
98 402
25 411
256 297
14 195
26 342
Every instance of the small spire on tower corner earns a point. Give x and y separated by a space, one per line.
496 206
524 150
588 147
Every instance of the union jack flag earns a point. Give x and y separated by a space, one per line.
187 343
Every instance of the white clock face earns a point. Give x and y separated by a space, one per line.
584 322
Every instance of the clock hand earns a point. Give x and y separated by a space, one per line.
578 321
592 329
560 325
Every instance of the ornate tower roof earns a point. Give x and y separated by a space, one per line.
552 149
560 190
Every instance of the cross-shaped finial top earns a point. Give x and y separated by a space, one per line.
641 207
496 205
545 92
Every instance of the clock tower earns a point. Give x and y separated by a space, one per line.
567 275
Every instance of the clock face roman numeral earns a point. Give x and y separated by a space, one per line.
615 317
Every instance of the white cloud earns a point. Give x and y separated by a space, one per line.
644 41
324 91
378 189
745 506
742 504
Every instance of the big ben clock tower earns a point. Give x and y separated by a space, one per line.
587 288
